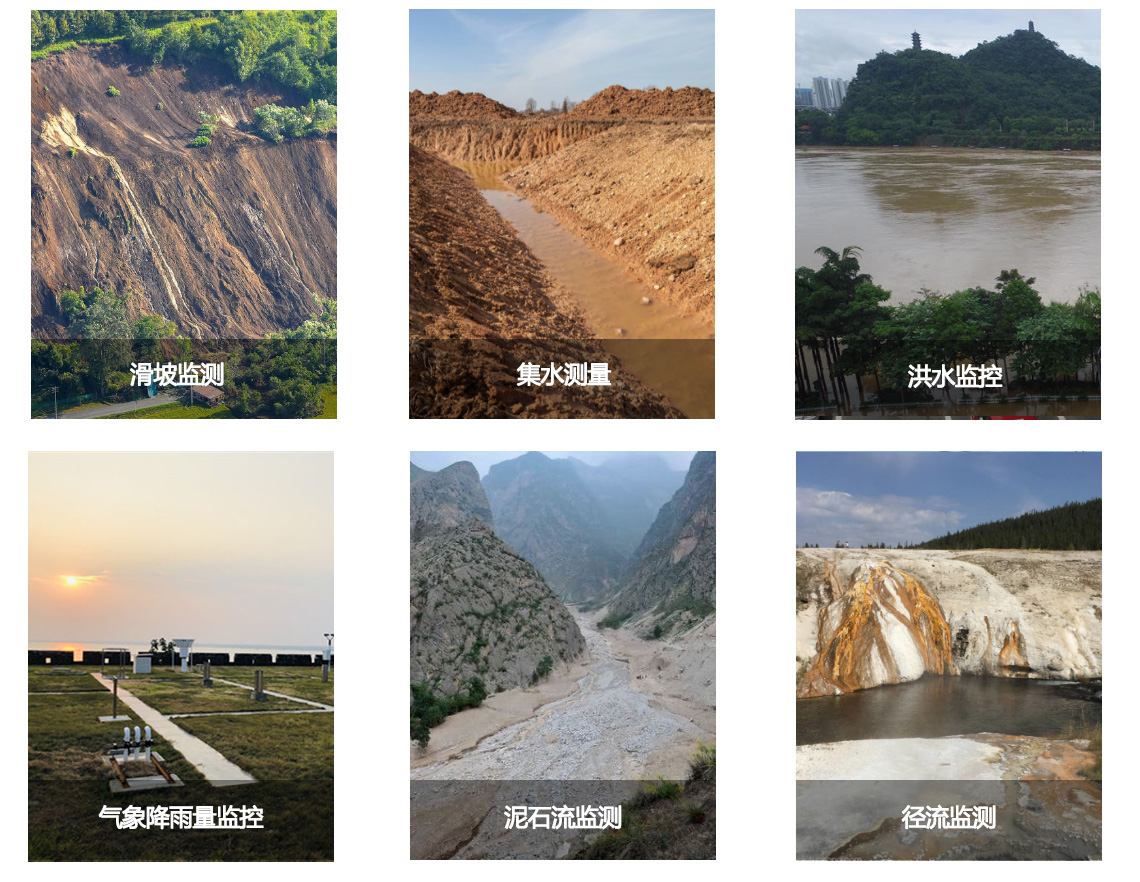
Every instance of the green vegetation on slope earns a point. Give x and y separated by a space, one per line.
843 321
430 708
293 48
1019 90
1074 526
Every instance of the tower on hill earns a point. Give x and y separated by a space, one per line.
918 40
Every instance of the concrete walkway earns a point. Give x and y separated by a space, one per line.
315 710
218 770
327 707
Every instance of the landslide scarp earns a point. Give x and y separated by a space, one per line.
230 240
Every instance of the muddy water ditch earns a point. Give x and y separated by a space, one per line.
671 353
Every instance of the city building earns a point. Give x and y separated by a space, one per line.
828 94
803 98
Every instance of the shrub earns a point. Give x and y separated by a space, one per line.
72 152
112 91
158 106
200 141
702 767
613 620
544 667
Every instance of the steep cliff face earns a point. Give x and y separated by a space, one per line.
676 561
885 628
1009 613
230 240
448 498
477 607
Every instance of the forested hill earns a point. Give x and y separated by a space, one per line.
1074 526
1019 90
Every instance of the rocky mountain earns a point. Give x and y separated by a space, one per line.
675 565
447 498
863 621
229 240
477 607
630 489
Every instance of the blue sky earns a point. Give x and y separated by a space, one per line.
894 497
834 42
549 54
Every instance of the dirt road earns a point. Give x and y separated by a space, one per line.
604 731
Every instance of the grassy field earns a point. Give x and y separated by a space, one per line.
291 755
176 411
301 682
328 396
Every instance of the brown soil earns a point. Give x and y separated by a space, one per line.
231 240
620 101
481 304
518 140
644 195
457 105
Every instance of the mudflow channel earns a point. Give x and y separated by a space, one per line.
614 304
604 731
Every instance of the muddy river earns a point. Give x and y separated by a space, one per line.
948 219
936 706
670 353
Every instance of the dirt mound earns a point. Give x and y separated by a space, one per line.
644 195
496 140
229 240
457 105
620 101
481 304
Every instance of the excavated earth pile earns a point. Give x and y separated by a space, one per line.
619 101
644 195
495 140
481 304
457 105
230 240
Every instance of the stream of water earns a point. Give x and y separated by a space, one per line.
670 353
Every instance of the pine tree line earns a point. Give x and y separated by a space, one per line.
1074 526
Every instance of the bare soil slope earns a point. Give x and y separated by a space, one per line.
231 240
480 304
457 105
620 101
497 140
644 195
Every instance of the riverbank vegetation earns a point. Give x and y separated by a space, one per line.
430 708
846 326
1018 91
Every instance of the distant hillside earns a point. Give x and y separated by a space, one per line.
1075 526
674 568
1019 90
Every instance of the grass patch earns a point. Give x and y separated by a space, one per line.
174 411
68 784
686 604
187 695
299 682
328 401
667 820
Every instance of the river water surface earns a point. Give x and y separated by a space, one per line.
948 219
936 706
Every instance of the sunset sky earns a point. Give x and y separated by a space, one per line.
222 547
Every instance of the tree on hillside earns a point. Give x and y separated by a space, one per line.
566 104
531 105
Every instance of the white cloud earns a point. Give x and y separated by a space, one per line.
823 516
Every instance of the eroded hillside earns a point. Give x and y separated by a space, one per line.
230 240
